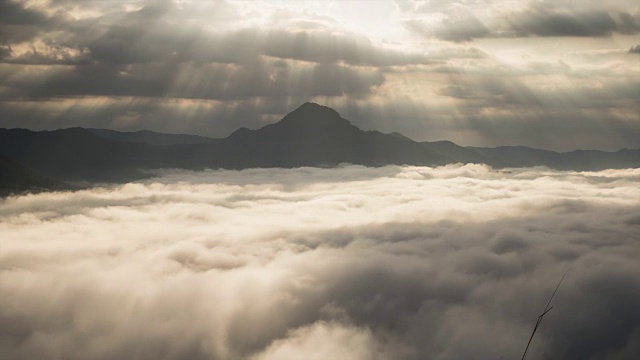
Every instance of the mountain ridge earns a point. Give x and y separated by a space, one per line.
15 178
310 135
150 137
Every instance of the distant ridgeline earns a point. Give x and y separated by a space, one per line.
311 135
17 178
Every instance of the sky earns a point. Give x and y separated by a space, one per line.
352 263
562 74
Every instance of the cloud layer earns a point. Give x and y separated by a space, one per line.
394 262
520 19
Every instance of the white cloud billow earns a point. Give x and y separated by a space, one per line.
358 263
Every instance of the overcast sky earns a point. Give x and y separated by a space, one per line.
560 74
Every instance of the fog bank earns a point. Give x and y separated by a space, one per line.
454 262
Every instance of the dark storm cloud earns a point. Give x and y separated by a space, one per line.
147 53
627 23
5 52
494 106
177 43
14 13
545 19
152 34
394 262
492 91
325 47
453 28
18 23
205 81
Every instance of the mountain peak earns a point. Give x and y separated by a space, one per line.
312 105
313 109
314 114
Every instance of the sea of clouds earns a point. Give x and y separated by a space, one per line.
454 262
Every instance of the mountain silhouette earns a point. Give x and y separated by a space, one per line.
16 178
315 135
150 137
311 135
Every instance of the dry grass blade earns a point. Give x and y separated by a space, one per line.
547 308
